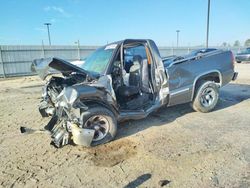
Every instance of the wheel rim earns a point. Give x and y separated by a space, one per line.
100 124
207 97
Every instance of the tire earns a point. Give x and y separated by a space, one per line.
206 97
102 117
238 61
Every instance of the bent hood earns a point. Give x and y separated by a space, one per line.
43 67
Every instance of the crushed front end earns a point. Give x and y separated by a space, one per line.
60 100
65 125
64 99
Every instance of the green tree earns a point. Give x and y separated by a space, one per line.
236 43
247 42
224 44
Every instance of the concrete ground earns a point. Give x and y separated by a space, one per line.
182 147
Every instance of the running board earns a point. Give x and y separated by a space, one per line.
138 114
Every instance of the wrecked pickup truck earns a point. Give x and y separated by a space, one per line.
121 81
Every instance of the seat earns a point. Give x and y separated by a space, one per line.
139 75
135 71
128 91
138 79
134 79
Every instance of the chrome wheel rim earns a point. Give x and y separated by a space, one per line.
100 124
207 97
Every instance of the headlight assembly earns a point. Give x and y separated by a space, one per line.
70 95
67 97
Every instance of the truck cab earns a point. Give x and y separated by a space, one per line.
138 74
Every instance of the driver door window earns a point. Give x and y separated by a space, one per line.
129 54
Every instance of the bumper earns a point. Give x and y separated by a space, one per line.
64 132
64 126
242 58
235 76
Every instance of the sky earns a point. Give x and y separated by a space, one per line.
96 22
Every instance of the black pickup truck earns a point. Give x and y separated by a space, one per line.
125 80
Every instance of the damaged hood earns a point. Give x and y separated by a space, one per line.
43 67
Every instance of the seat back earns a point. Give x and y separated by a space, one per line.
135 72
139 75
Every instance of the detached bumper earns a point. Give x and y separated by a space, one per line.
235 76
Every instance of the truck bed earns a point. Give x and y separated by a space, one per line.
177 59
183 72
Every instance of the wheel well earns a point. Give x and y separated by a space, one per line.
213 76
94 103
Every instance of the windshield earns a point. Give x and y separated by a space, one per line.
98 61
246 51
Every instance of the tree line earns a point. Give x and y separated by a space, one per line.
237 43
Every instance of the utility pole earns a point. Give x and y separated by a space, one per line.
48 24
177 40
208 15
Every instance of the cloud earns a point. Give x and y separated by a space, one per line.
59 10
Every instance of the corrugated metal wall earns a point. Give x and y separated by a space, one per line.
16 60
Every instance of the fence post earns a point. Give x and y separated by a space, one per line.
1 61
43 51
78 48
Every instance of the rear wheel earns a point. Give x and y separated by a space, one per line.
102 121
206 97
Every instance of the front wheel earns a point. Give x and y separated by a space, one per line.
238 61
206 97
102 121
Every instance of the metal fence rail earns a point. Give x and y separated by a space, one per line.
16 60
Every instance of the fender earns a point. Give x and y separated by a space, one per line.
95 102
90 95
